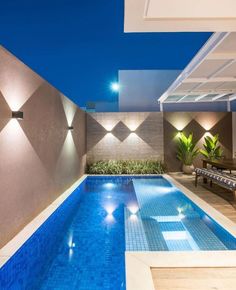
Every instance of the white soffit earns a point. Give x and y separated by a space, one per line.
210 76
192 9
179 15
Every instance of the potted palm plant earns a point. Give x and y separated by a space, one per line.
187 152
212 150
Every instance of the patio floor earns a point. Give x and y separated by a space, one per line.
194 278
200 278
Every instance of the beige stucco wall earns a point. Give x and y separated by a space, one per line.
124 136
39 157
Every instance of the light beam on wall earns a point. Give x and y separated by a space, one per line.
134 121
133 135
178 135
179 121
69 108
207 133
132 126
208 121
109 125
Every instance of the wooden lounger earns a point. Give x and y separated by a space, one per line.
223 179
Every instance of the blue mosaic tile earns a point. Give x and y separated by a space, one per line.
25 268
82 245
171 222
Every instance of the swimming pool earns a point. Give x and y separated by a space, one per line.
82 244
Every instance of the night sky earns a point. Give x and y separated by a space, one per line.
79 46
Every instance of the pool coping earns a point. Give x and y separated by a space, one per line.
7 251
139 264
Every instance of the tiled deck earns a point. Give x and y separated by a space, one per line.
200 278
194 278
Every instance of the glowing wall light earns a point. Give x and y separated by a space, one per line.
109 124
207 133
134 121
179 120
209 120
70 128
69 109
179 134
132 125
19 115
133 134
180 124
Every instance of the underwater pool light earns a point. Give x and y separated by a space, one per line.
109 185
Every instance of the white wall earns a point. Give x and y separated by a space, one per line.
140 89
234 134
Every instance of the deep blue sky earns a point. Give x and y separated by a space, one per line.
79 46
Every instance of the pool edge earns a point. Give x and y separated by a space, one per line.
139 264
8 250
221 219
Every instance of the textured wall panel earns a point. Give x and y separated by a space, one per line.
199 123
124 136
39 157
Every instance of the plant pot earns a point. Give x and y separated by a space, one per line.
188 169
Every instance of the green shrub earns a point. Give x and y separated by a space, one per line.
212 150
126 167
187 150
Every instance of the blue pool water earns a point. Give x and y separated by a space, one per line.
82 245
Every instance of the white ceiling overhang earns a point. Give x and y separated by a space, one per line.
210 76
179 15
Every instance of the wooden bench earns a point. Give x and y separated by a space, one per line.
223 179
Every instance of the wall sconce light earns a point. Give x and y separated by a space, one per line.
71 128
17 115
179 133
207 133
